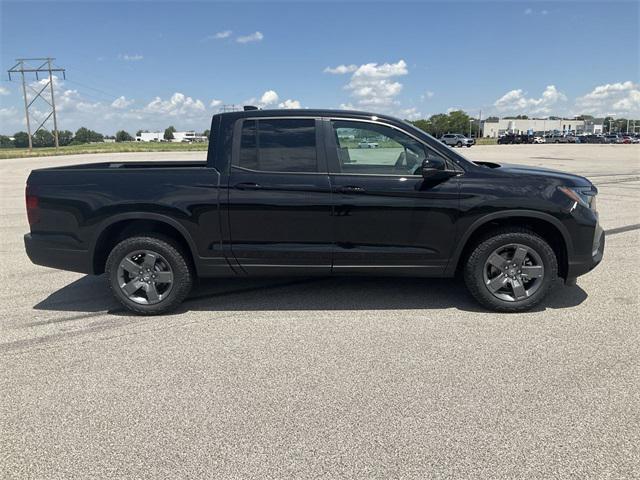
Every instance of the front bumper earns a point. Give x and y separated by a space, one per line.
50 253
584 264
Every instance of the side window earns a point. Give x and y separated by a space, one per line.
377 149
278 145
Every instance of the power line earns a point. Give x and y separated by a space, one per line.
38 66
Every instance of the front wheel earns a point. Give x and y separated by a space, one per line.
459 144
149 275
511 270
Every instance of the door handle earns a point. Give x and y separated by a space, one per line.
350 189
248 186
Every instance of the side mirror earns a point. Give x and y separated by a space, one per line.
433 167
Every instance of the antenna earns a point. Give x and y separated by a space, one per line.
44 65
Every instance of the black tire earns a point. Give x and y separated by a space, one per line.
170 251
459 144
468 146
476 263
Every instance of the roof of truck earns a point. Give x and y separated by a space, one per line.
307 112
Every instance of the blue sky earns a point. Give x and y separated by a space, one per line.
145 65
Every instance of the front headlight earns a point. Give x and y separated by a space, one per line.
585 196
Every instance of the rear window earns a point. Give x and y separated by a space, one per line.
278 145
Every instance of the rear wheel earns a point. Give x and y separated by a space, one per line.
511 270
459 144
149 275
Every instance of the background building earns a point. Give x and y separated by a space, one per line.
499 127
178 137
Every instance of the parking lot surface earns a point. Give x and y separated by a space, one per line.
326 378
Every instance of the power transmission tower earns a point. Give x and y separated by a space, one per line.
38 66
230 108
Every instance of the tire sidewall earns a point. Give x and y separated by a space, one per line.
474 273
182 278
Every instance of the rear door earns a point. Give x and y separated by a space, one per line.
279 197
387 219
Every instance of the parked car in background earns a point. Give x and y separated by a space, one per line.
612 138
513 138
556 138
538 139
284 193
367 144
457 140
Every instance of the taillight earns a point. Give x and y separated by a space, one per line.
33 214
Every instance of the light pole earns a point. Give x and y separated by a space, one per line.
471 121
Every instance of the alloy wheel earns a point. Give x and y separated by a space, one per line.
145 277
513 272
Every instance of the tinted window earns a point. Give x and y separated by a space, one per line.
249 145
372 148
279 145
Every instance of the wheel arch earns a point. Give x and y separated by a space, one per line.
545 225
123 226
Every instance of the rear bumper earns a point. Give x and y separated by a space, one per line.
584 264
50 253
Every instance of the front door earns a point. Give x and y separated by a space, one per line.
279 198
387 219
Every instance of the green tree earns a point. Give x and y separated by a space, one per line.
84 135
43 138
458 122
21 140
168 133
122 136
138 133
65 137
439 124
5 142
422 125
206 133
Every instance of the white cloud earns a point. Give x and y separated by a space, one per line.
268 98
341 69
528 11
254 37
410 114
4 91
215 103
130 58
121 102
371 84
8 113
289 104
544 12
621 97
427 95
178 105
223 34
517 101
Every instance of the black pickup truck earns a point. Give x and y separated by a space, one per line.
294 192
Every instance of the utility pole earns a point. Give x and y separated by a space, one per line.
480 124
38 66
